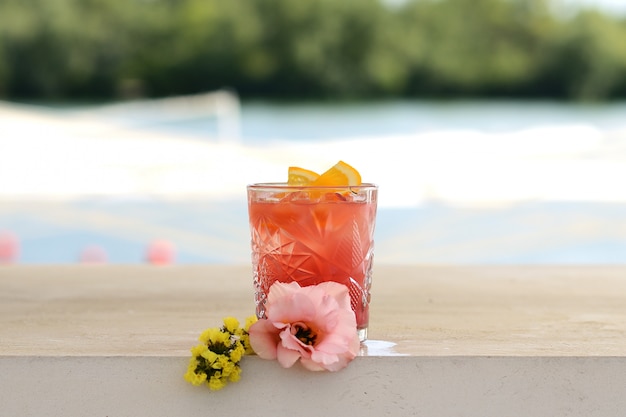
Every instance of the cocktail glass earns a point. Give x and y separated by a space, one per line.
314 234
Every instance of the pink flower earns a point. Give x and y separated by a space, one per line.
314 324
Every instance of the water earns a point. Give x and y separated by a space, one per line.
461 182
263 122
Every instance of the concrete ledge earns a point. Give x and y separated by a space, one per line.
447 341
370 386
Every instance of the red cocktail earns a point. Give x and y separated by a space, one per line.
314 234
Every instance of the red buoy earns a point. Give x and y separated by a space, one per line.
9 248
160 252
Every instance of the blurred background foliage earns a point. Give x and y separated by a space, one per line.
105 49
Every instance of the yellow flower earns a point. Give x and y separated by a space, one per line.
245 342
193 363
199 350
216 383
231 324
195 378
215 361
210 356
223 338
235 374
221 362
237 353
209 335
228 369
249 322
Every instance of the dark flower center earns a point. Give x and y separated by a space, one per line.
304 333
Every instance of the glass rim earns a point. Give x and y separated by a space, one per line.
284 186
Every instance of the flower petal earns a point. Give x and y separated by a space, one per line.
279 290
287 357
334 289
311 365
319 314
335 362
264 339
289 341
291 308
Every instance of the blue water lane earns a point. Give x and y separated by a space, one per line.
209 232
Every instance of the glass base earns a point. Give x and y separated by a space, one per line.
362 334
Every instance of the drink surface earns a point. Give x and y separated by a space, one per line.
314 241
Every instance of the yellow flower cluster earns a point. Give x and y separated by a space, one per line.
215 361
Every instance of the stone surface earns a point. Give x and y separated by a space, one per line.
428 386
446 341
426 310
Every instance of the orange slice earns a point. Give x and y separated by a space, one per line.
339 174
301 176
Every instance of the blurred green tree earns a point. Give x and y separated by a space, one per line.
588 61
304 49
